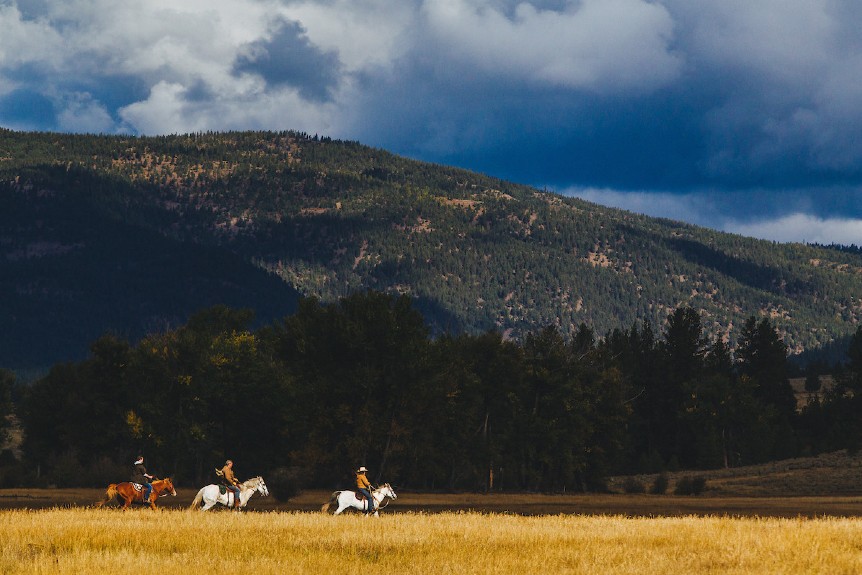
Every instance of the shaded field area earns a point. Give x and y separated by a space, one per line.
94 541
515 504
830 474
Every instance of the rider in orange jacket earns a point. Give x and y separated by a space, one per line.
363 486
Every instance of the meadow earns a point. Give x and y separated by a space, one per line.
83 540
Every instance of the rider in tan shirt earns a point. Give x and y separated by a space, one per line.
230 480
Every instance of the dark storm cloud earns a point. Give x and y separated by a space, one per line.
288 58
724 119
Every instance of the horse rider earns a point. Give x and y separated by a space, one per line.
363 486
229 480
140 476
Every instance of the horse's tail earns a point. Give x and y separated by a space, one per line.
198 498
325 507
110 493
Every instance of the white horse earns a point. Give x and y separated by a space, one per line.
211 494
347 499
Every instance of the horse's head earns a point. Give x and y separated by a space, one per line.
256 484
168 486
387 491
261 487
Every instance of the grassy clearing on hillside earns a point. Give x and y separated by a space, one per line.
92 541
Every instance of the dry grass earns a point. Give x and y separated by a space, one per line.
73 541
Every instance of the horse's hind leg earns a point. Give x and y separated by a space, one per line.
207 505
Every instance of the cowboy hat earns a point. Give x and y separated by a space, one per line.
361 470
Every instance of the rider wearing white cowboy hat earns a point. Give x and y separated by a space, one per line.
363 486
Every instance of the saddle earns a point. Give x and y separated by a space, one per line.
231 496
359 496
222 489
137 486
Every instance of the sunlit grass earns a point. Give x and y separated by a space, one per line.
114 542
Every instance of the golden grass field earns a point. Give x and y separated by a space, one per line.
793 517
83 540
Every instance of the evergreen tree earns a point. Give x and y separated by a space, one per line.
682 354
761 359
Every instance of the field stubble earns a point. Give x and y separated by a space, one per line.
798 516
75 540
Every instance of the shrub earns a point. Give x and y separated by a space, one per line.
659 485
285 482
690 485
66 470
632 485
597 484
12 472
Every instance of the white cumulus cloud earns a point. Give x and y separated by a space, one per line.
758 214
802 228
593 44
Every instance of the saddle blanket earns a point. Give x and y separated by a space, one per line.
137 486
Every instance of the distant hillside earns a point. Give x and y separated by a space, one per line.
132 234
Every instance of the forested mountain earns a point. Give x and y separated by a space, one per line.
133 234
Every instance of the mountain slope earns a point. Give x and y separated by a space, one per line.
330 217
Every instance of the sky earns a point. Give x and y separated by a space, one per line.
738 115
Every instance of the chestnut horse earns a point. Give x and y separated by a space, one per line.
126 493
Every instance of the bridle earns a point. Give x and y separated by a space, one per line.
384 503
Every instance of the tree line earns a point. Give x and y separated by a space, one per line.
362 382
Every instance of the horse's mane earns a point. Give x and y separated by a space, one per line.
252 481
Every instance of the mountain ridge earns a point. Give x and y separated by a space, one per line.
331 217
